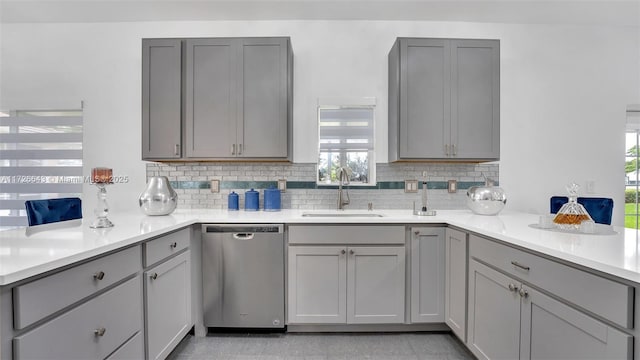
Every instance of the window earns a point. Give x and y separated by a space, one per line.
632 160
40 158
346 140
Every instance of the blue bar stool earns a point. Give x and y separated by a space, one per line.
600 209
53 210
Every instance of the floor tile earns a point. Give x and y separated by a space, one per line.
333 346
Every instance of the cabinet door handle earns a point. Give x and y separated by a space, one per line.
177 150
173 245
512 287
453 149
154 276
239 149
416 233
524 293
233 149
351 252
99 331
99 275
446 149
343 251
523 267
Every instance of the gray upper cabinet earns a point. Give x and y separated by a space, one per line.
161 101
475 99
210 97
237 96
444 100
263 98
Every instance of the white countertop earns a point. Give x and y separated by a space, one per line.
23 256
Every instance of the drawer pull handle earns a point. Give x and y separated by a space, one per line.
517 264
154 276
512 287
524 293
99 331
99 275
173 245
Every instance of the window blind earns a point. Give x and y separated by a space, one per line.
346 129
40 158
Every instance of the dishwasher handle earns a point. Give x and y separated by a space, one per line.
243 236
242 228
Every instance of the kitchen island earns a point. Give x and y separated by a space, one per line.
613 257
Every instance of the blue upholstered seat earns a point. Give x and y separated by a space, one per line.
600 209
53 210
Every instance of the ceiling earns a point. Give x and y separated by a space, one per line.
590 12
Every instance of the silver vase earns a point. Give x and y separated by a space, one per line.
159 198
487 199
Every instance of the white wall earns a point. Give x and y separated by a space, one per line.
564 90
1 27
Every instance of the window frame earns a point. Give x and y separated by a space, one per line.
633 128
348 103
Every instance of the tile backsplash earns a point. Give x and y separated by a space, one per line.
192 181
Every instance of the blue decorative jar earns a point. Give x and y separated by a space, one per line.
234 201
251 200
272 199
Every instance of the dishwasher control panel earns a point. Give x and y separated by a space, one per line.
243 228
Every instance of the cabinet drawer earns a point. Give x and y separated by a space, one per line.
38 299
346 234
603 297
132 349
165 246
74 335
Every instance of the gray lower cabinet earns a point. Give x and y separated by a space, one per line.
40 298
375 285
427 274
168 304
161 99
132 349
317 286
455 283
105 308
93 310
346 284
494 314
511 320
551 329
92 330
444 99
231 97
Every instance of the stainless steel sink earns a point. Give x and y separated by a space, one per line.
340 214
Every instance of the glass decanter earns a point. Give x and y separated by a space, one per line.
571 214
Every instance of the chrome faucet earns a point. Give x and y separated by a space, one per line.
343 179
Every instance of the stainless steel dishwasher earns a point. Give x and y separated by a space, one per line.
243 275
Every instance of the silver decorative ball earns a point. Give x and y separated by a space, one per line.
486 200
